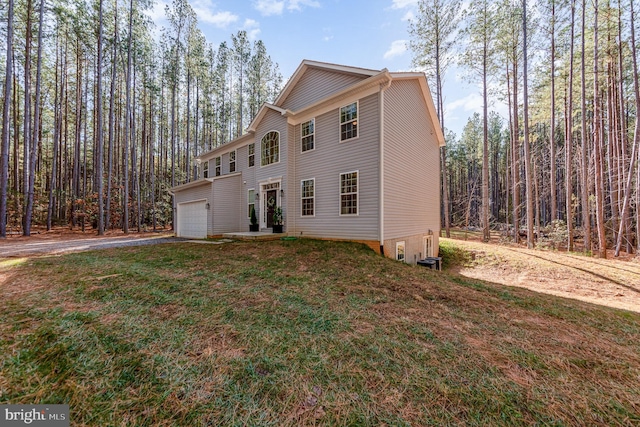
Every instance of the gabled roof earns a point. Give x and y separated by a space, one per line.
307 64
371 79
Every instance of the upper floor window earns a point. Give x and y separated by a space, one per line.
308 196
307 131
349 121
205 169
218 166
252 155
270 148
349 193
232 161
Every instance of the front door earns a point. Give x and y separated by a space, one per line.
271 205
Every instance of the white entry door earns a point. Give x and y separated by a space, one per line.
192 220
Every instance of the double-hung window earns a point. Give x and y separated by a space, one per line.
205 169
307 132
308 195
349 121
270 148
349 193
232 161
252 155
251 202
218 166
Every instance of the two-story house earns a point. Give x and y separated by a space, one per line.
347 153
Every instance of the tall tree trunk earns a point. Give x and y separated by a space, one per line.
112 93
552 130
33 155
128 125
636 144
486 235
99 140
525 118
27 116
56 140
586 220
569 139
597 143
4 149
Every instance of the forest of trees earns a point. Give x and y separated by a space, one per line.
95 103
562 168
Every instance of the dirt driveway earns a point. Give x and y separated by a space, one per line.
612 282
57 243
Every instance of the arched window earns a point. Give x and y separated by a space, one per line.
270 148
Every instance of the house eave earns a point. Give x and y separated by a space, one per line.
225 148
188 185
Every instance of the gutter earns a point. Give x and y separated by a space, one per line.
383 88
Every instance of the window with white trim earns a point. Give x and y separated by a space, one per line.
205 169
218 166
252 155
232 161
400 254
349 193
251 201
307 132
270 148
308 195
349 121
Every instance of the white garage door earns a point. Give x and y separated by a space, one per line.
192 219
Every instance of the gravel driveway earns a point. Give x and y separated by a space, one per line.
21 247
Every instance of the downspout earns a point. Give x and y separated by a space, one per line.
383 88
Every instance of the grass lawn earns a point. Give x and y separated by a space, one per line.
304 333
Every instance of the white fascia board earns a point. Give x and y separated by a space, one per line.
306 64
225 148
192 184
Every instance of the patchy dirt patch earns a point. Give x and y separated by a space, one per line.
610 282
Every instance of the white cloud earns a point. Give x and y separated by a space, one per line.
252 28
470 103
401 4
269 7
296 4
397 48
219 19
156 13
277 7
409 16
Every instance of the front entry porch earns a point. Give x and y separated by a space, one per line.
254 235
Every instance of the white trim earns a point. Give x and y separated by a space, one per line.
262 220
252 203
215 166
177 223
235 163
357 119
313 119
279 152
404 250
302 198
357 193
381 194
249 155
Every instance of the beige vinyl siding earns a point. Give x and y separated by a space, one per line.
248 181
331 158
201 192
411 161
317 84
273 121
228 204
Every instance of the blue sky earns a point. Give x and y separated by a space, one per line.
370 34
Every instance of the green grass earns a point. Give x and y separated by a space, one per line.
304 333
